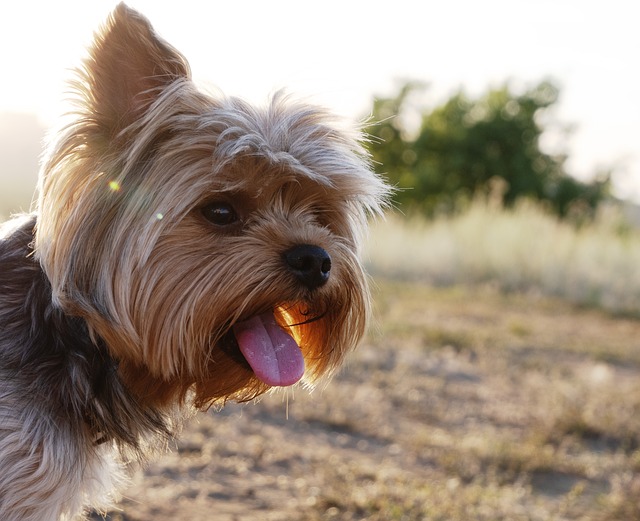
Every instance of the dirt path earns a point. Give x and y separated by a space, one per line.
462 405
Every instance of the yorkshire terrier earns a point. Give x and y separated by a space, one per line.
186 249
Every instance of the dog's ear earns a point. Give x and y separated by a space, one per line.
127 68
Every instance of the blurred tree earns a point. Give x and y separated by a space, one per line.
467 147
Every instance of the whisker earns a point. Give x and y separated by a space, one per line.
314 318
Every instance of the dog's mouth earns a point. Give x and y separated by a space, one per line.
272 353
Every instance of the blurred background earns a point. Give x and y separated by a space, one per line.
501 380
573 61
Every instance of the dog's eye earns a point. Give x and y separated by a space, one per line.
220 214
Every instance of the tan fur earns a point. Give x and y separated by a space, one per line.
123 244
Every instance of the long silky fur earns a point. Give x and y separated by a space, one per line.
118 297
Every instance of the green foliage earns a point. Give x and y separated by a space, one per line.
468 147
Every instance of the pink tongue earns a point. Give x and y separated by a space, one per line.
272 353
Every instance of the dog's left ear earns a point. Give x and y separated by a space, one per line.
127 68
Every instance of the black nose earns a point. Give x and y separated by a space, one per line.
310 264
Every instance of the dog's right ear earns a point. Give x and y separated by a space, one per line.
127 68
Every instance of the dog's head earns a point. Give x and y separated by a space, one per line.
212 245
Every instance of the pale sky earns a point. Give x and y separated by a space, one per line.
342 53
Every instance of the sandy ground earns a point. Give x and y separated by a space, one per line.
460 405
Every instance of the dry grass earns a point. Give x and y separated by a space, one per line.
524 249
463 404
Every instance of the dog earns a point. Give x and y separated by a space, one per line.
185 249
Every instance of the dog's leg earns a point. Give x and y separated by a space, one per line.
47 475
